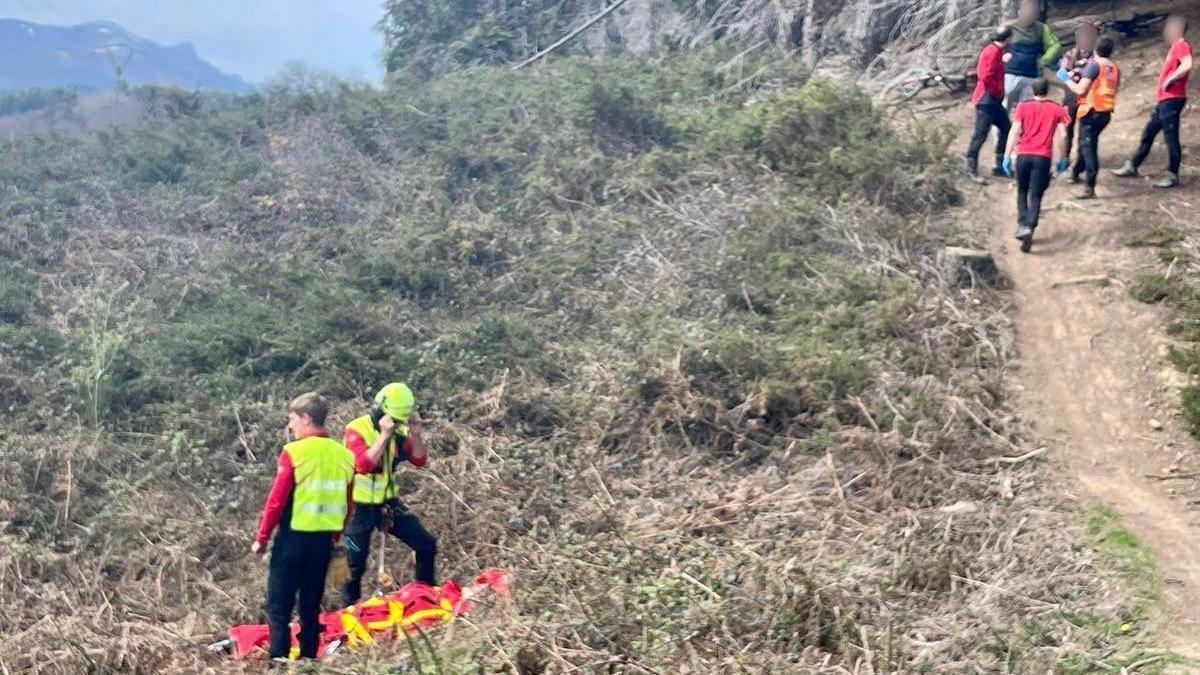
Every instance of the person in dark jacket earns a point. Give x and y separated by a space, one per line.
1033 47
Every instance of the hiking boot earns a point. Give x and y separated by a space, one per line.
1088 192
999 173
1025 235
971 168
1127 170
1074 179
1169 180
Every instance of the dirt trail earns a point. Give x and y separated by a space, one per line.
1093 378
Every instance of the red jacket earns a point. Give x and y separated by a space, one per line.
990 70
363 464
281 492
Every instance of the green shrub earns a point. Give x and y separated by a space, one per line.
1154 288
18 293
621 118
1190 399
1162 236
36 98
157 156
841 374
394 272
832 137
488 42
746 354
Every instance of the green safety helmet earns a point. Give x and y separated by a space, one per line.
396 401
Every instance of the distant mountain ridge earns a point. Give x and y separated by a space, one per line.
37 55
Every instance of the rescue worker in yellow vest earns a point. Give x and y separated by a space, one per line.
380 441
1097 90
311 503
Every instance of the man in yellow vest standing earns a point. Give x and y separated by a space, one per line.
1100 79
310 502
380 441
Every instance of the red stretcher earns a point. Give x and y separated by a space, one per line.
413 608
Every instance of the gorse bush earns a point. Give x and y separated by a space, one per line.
832 135
35 98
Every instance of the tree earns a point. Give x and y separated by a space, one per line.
416 33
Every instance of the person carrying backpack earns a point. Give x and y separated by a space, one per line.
1033 48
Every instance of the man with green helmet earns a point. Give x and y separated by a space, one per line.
380 440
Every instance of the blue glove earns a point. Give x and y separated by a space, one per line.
1064 75
1006 166
1061 167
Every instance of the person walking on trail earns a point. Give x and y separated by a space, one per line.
1033 48
1172 98
1035 144
1073 63
1097 92
310 502
388 435
988 100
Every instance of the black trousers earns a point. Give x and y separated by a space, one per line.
1165 119
392 518
1033 177
988 114
299 561
1090 128
1072 103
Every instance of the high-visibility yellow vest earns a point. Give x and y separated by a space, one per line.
374 488
323 469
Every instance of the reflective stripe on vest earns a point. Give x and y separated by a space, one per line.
373 488
323 469
1102 95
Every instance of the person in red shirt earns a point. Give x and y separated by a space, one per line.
1172 98
310 502
1034 146
989 104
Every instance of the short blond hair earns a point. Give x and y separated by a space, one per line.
311 404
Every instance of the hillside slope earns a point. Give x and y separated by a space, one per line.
36 55
693 371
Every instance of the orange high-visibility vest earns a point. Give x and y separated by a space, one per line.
1102 95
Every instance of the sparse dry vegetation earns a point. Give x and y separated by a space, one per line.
690 371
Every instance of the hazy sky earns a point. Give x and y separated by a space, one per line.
251 38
